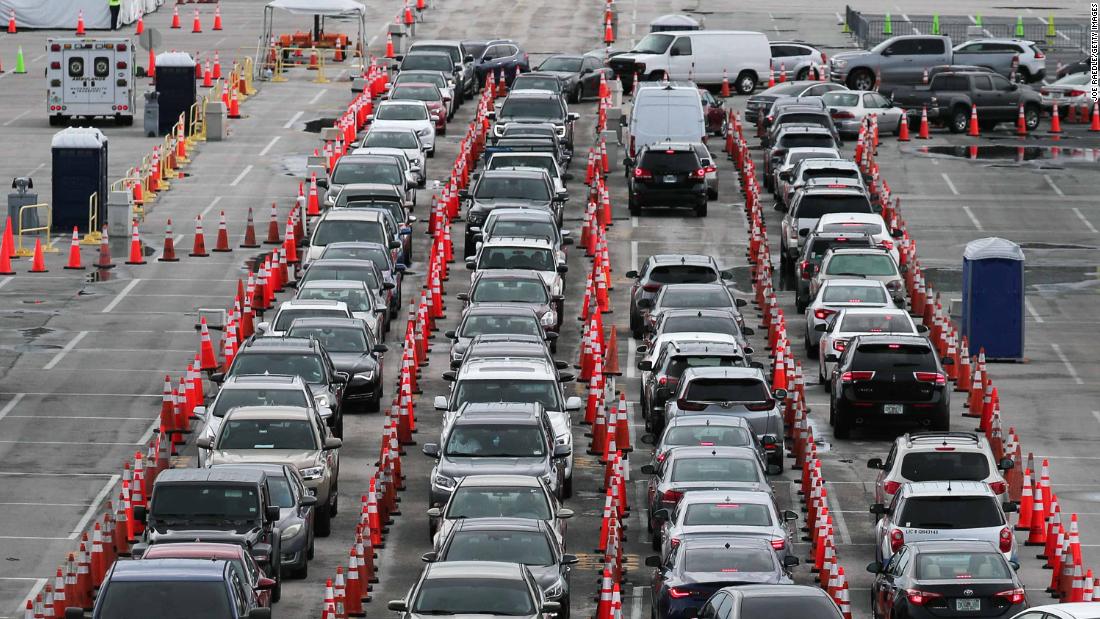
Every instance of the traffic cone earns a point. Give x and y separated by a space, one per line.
216 67
207 360
11 23
74 253
207 75
38 263
903 129
1021 122
608 33
198 248
139 27
80 23
1094 125
20 64
137 254
218 17
771 76
273 228
175 18
973 130
169 254
1055 122
222 244
5 251
234 105
250 232
922 131
1027 503
389 46
725 84
313 206
197 25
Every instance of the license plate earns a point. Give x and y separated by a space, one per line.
968 605
670 178
1055 95
893 409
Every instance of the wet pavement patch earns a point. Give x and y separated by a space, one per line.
1001 155
315 125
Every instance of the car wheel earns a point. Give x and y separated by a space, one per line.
746 82
960 119
655 540
310 552
701 209
632 204
323 524
567 488
1031 117
942 422
299 573
431 153
861 79
799 305
635 325
374 404
777 460
564 612
575 97
811 350
277 592
712 194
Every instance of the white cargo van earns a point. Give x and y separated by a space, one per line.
90 77
702 56
666 112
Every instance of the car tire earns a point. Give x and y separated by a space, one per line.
374 404
310 553
960 119
1031 117
861 79
299 573
701 209
746 82
322 526
799 305
655 540
712 194
803 75
942 422
567 488
778 461
431 153
575 96
632 205
635 324
277 592
564 612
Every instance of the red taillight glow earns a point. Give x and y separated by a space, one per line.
699 173
642 173
122 64
56 47
55 65
672 496
674 542
711 168
661 456
822 313
121 47
840 345
691 406
1006 539
886 244
678 593
1013 596
897 540
998 487
1039 55
917 597
945 449
1075 93
851 377
652 287
779 544
891 487
842 115
930 377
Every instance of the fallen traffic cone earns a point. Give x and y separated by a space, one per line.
250 232
1055 122
222 244
207 360
1021 122
973 130
38 263
197 25
218 17
903 129
175 18
137 253
273 228
74 253
725 84
922 131
80 23
198 248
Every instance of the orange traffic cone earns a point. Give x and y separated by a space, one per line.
273 228
6 250
140 26
608 33
973 130
175 18
234 105
725 83
771 76
11 23
1094 125
389 46
903 129
313 206
38 263
1055 122
782 73
216 68
169 254
922 131
104 252
1021 122
80 23
198 248
222 244
74 253
250 232
207 360
197 25
218 17
137 254
611 357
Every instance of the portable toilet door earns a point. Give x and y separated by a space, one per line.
993 298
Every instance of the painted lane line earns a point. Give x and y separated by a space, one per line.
636 601
210 206
240 177
36 168
71 443
90 512
973 218
38 474
1031 310
317 97
69 417
11 404
841 526
21 115
1050 182
631 357
634 255
65 350
1081 216
86 395
1096 416
950 185
121 295
293 119
269 145
5 281
39 583
1072 371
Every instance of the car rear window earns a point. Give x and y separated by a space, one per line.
727 390
822 246
715 469
809 140
706 324
171 598
961 566
788 607
192 501
660 162
480 324
728 514
695 297
813 206
537 82
876 323
537 258
677 365
919 357
682 274
803 118
707 436
853 294
248 434
829 173
232 398
950 512
728 560
945 466
526 547
287 316
868 228
870 265
509 291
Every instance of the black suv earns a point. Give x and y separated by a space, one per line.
506 188
215 505
661 269
813 252
536 106
889 380
295 356
668 174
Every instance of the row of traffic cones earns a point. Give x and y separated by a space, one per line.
196 22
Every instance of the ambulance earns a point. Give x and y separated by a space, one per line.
90 77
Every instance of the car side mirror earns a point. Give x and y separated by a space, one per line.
450 335
790 515
628 162
567 240
557 298
573 403
380 348
1015 565
468 58
559 364
803 231
429 557
204 443
462 296
748 331
434 512
897 233
1006 464
471 264
790 561
307 500
322 183
456 363
200 412
463 194
740 302
333 443
661 515
478 237
573 116
779 394
491 115
450 376
440 403
272 513
653 561
645 304
566 377
647 469
263 327
645 365
822 327
217 378
141 513
726 275
874 463
564 514
400 267
397 606
642 349
431 450
831 358
562 451
1010 506
563 268
551 336
878 509
631 274
874 567
568 559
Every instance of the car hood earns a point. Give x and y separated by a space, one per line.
352 362
462 467
849 56
300 459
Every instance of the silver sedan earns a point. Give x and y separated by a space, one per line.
724 513
849 107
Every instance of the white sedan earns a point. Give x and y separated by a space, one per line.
406 114
870 224
849 107
404 139
851 322
838 294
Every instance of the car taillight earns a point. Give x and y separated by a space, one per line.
122 64
1038 54
823 59
891 487
779 544
121 47
642 173
842 115
672 496
1044 91
998 487
851 377
1012 596
822 313
55 65
886 245
661 456
1006 539
1075 93
674 542
917 597
930 377
652 287
632 147
897 540
711 168
699 173
56 47
691 406
677 593
839 346
807 270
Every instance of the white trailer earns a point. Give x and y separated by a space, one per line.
90 78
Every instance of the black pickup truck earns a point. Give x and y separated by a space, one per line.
949 97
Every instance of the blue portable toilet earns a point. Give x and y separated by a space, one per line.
993 298
79 170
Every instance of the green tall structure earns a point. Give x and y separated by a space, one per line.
935 23
20 64
1019 27
887 27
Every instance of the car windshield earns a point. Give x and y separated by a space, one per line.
962 566
803 118
542 108
536 258
427 77
727 390
492 502
944 466
509 291
334 339
495 441
669 162
788 607
531 228
707 436
427 62
814 206
473 596
695 297
950 512
450 50
401 112
307 366
795 157
876 323
728 514
214 500
872 265
384 172
288 315
510 324
869 228
683 274
544 392
715 469
378 255
917 357
391 139
526 547
706 324
171 599
416 93
356 273
653 44
841 99
728 560
520 161
356 299
561 63
267 434
537 82
512 188
853 294
229 399
475 48
807 140
343 231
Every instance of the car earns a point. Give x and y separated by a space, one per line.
286 435
650 352
509 345
296 514
705 56
531 223
413 115
706 159
365 168
363 303
835 295
431 96
871 263
498 59
504 379
507 437
498 496
807 206
705 320
689 469
811 113
896 60
943 511
758 105
529 138
404 139
359 270
794 136
716 115
481 588
531 543
792 60
580 74
539 81
255 390
366 195
661 376
206 588
708 431
929 579
736 391
494 318
848 322
695 569
773 601
667 174
526 188
243 565
726 514
519 287
783 170
810 169
353 225
938 456
406 187
354 350
381 254
396 217
817 246
1067 91
1030 61
871 224
888 379
1064 610
690 296
849 108
293 309
523 253
465 83
304 358
234 507
536 106
951 97
661 269
543 161
444 82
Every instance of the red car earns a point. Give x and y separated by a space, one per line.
430 95
267 590
717 118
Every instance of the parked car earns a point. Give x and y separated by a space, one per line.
498 496
849 108
773 601
354 350
475 588
951 97
938 456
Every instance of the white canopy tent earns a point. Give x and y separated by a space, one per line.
338 9
63 14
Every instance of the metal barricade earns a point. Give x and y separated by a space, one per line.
93 236
47 245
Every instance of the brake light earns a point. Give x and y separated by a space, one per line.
836 186
631 146
886 244
851 377
1044 91
55 65
822 313
1012 596
642 173
652 287
917 597
891 487
998 487
779 544
1075 93
1038 54
699 173
672 496
945 449
121 47
842 115
674 542
691 406
807 271
661 456
56 47
897 540
840 345
1006 539
930 377
677 593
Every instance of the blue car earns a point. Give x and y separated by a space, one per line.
498 57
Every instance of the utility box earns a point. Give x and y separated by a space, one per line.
177 90
79 170
217 125
152 115
22 196
993 298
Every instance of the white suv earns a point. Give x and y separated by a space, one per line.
938 456
853 321
868 263
523 253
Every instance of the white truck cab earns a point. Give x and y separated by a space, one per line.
90 77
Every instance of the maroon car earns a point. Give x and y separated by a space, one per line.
716 114
251 572
430 95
